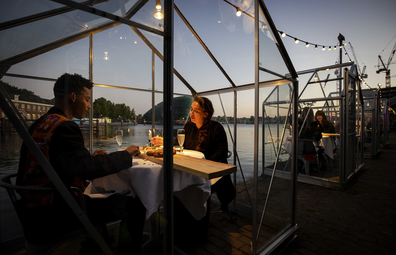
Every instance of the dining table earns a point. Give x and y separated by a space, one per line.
145 179
327 142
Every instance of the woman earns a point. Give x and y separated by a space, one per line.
326 126
209 137
202 133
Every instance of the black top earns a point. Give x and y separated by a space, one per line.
217 147
69 157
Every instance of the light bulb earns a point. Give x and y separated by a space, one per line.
335 47
283 34
238 12
329 47
323 48
158 14
307 45
296 40
316 47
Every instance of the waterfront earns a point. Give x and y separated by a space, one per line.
139 135
105 140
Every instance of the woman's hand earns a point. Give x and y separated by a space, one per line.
99 152
157 140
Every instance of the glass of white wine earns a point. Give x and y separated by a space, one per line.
181 135
119 134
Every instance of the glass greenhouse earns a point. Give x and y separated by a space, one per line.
141 54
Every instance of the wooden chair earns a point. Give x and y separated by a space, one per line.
34 244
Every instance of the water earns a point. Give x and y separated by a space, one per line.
139 135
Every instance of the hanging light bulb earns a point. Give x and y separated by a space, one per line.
238 12
323 48
340 46
296 40
307 45
105 56
158 13
335 47
283 34
316 47
329 47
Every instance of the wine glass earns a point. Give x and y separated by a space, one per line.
119 134
181 135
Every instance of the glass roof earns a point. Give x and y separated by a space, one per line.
213 48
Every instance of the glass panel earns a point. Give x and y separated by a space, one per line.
269 55
274 122
351 127
71 58
119 8
32 99
30 36
146 17
11 10
121 58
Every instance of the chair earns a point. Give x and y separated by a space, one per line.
34 244
313 148
229 154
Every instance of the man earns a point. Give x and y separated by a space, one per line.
61 141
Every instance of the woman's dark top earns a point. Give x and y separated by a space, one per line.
215 147
329 128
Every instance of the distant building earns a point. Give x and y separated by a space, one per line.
31 108
181 110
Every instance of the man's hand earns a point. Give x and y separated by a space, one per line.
133 150
99 152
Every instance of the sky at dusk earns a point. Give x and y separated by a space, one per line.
368 25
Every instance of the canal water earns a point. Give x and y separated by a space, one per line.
10 146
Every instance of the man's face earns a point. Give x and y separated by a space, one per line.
81 104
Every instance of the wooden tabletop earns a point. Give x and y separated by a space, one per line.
199 167
330 134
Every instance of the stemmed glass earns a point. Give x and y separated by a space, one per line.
119 134
181 135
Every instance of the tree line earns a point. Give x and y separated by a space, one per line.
105 108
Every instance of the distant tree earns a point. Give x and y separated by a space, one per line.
15 90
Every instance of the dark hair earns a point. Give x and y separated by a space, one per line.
206 104
69 83
324 118
307 111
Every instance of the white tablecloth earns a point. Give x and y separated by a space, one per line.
145 179
328 145
326 142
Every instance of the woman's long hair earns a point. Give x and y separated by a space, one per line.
310 118
324 118
203 140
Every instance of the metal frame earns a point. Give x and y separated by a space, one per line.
168 92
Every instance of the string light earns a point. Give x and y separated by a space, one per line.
238 12
283 34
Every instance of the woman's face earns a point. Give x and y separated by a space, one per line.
319 118
197 114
